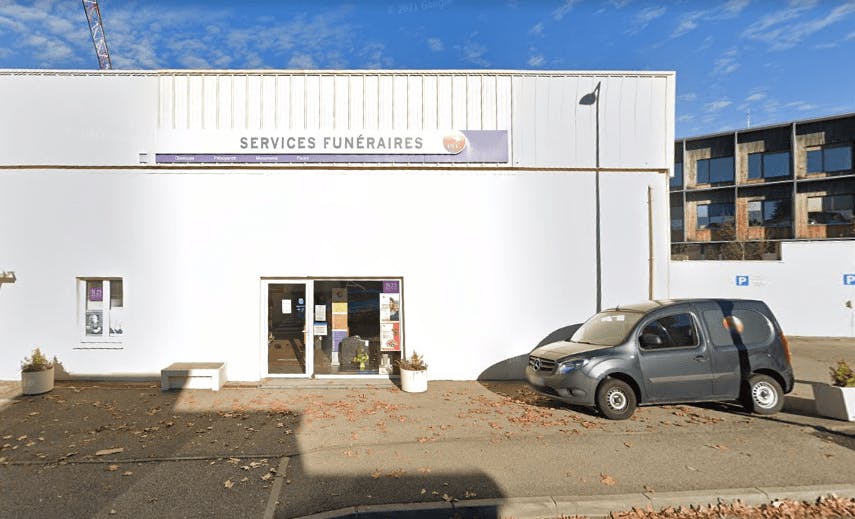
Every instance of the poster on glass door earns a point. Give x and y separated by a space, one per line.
390 336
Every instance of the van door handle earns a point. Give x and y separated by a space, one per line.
700 358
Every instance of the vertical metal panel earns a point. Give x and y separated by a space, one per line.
298 102
504 109
225 101
312 102
357 102
326 99
372 102
415 102
239 114
524 120
179 98
458 102
445 99
253 102
269 102
400 102
195 96
164 113
585 135
210 106
385 92
473 102
489 112
283 104
429 102
341 104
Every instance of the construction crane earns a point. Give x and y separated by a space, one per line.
99 39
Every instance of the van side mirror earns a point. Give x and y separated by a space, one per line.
650 339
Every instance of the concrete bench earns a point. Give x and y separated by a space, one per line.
193 375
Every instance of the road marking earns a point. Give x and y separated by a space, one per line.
276 489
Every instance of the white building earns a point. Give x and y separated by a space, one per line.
259 217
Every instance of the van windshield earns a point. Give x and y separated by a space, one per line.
606 328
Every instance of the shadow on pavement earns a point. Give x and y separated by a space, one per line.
104 450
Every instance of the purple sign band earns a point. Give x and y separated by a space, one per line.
482 146
391 287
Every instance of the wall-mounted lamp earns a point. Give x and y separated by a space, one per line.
8 277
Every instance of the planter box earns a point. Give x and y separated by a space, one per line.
414 381
834 401
36 382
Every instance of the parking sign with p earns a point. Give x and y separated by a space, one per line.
849 279
742 281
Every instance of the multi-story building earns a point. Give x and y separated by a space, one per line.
738 195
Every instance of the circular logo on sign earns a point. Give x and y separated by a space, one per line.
454 142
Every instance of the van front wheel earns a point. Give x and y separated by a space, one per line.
763 395
616 399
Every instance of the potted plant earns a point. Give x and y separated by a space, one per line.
413 373
36 374
837 400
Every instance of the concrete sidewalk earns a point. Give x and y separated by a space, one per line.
491 449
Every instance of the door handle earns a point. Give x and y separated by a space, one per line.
700 358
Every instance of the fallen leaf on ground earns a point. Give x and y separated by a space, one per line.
112 468
607 480
105 452
228 484
127 473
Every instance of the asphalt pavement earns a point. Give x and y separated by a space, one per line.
485 449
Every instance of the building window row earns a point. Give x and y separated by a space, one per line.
766 165
837 158
822 210
769 213
831 209
769 165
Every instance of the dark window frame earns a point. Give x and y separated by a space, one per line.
763 212
722 215
832 210
764 167
822 151
677 180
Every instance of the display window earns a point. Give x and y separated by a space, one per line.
331 327
101 306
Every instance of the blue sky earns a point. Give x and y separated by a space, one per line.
780 60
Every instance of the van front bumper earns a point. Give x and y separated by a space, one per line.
573 388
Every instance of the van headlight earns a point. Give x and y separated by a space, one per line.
570 365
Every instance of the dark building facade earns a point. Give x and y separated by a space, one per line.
738 195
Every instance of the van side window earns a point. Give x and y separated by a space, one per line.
676 331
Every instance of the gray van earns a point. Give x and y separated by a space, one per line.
663 352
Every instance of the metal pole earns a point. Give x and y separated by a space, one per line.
597 205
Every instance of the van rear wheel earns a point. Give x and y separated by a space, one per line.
763 395
616 399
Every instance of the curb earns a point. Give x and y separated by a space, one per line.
591 506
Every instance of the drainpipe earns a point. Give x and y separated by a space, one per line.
650 254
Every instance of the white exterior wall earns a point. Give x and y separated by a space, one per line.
492 258
805 289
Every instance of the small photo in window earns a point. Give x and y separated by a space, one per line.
94 322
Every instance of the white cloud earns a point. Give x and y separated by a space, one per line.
789 27
688 22
472 52
691 96
374 56
850 36
648 14
718 105
559 13
301 61
726 64
435 44
801 106
536 61
536 30
685 118
735 7
757 96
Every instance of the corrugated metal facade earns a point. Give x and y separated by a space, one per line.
548 127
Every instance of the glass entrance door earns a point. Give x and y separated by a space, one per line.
288 334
